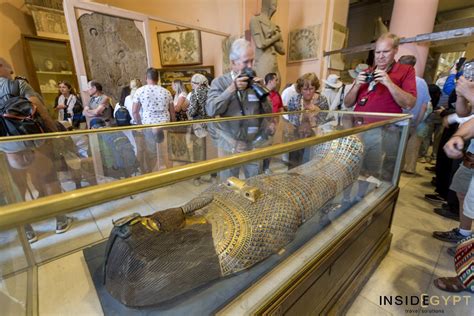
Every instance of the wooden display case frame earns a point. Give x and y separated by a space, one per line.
33 72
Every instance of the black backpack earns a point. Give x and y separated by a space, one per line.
122 116
18 115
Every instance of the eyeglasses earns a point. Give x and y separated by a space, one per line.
195 82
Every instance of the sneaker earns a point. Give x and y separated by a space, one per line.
422 160
450 236
446 213
268 171
434 198
451 251
63 226
31 236
431 169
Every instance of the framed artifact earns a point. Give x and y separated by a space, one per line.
303 44
49 22
184 74
181 47
185 149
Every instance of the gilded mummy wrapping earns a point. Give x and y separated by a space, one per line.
228 228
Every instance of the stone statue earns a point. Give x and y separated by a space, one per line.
230 227
268 39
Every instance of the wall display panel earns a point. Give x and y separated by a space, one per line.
167 75
49 22
303 44
180 48
114 51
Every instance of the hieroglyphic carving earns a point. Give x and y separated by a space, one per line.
114 51
303 44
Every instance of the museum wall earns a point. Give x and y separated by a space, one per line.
14 21
230 16
223 16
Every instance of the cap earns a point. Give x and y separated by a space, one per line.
358 69
333 81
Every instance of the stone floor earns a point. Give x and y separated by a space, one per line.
414 260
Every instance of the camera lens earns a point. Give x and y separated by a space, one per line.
369 77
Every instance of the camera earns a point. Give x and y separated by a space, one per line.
369 77
468 71
260 91
460 63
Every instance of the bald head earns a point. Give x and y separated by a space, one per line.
6 70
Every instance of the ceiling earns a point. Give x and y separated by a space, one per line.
452 14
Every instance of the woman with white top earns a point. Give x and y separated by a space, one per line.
180 101
128 103
66 101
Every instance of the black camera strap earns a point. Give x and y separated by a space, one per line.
239 98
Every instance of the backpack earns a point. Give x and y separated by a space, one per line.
18 116
122 116
118 154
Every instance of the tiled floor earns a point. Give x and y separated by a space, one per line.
415 258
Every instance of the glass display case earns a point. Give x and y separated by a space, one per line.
50 61
229 216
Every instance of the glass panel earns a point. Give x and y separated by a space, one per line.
280 203
38 168
312 193
13 275
43 167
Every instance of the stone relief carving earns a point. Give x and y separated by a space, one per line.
114 51
303 44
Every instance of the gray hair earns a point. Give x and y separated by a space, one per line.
200 79
238 48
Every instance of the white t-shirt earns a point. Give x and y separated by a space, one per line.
288 93
69 102
154 101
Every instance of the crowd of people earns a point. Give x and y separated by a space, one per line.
387 86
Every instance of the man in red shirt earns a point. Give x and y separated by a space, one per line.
392 86
387 87
272 82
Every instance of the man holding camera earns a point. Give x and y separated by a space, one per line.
231 94
388 87
238 93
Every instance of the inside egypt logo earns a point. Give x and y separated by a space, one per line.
424 300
